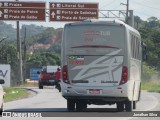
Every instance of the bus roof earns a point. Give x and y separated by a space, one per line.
103 22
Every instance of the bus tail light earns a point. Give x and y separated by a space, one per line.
65 74
124 77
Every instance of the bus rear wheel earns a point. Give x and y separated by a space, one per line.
70 104
120 106
81 105
128 106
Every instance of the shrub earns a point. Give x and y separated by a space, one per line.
148 72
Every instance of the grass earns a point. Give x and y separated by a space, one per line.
151 86
14 94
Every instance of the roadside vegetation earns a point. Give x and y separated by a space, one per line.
151 86
14 94
150 79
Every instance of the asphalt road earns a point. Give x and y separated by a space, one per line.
50 102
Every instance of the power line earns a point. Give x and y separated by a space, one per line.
108 4
138 3
144 14
117 7
148 1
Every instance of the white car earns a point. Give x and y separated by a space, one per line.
1 96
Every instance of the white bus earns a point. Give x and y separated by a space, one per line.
101 64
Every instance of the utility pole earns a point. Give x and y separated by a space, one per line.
24 58
127 11
19 53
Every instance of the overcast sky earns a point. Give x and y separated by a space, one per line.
142 8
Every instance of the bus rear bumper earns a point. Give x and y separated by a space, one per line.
90 92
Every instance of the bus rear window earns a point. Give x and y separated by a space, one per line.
92 35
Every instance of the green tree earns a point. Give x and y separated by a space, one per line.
6 30
40 59
46 36
8 55
31 30
150 34
153 22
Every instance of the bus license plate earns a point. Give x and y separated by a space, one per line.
94 91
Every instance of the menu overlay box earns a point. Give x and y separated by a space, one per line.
23 11
73 11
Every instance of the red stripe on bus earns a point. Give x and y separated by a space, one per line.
94 46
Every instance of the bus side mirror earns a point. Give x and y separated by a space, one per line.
145 56
2 81
144 52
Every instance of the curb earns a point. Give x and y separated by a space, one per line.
29 89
